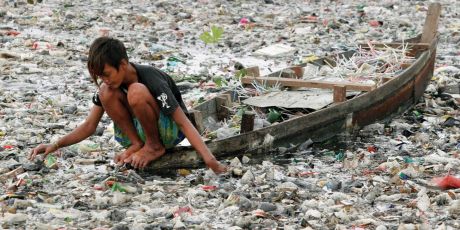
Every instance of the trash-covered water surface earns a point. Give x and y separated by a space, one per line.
399 174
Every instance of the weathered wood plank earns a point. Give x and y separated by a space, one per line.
222 103
307 99
430 28
207 108
386 79
307 83
196 117
290 72
340 93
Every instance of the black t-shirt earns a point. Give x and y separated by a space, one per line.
161 86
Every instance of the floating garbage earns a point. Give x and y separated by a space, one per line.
447 182
377 178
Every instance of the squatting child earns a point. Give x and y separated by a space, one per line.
144 103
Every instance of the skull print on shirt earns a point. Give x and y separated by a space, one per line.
163 97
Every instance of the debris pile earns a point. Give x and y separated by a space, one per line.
367 66
401 174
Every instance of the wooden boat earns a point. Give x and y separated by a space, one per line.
393 97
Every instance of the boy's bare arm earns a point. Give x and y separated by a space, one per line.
84 130
195 139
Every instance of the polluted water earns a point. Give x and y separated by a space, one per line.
401 173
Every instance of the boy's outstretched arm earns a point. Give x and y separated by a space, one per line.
84 130
195 139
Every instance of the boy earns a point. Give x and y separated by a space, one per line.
144 104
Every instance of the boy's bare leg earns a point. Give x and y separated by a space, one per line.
116 105
146 110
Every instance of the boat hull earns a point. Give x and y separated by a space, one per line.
392 98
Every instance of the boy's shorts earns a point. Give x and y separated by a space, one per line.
170 134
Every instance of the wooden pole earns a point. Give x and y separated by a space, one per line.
340 93
430 28
222 102
247 122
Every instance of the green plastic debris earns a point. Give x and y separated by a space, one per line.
175 59
88 147
417 113
409 160
241 73
50 160
273 115
340 156
117 187
403 176
220 81
201 100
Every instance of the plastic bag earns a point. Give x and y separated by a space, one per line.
447 182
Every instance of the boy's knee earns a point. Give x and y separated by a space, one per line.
137 93
105 93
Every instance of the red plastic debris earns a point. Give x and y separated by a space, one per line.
259 213
375 23
8 146
110 183
244 21
370 171
182 210
447 182
371 149
98 187
209 187
41 45
311 18
12 33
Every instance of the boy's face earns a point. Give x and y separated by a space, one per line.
113 77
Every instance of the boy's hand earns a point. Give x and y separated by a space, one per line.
216 166
42 148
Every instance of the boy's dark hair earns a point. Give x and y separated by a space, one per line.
105 50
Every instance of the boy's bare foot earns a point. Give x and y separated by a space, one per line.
143 157
120 158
